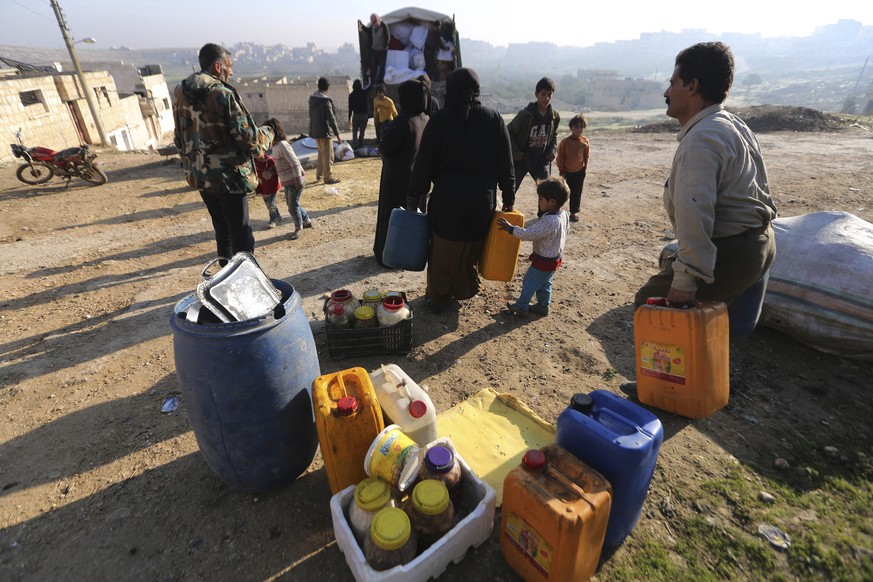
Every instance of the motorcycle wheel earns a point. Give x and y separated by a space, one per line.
92 174
38 173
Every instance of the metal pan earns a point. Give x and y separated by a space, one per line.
239 291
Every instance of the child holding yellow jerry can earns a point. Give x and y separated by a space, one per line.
549 234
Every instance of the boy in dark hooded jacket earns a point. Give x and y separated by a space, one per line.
534 135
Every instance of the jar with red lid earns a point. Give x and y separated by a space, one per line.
392 311
345 298
338 316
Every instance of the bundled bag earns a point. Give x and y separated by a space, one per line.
820 282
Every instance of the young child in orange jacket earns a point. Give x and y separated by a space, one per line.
572 162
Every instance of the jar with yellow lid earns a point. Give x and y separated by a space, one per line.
431 512
371 495
391 541
372 298
365 316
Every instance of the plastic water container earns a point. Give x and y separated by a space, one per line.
348 418
620 440
475 522
500 253
405 403
555 509
682 357
407 240
245 374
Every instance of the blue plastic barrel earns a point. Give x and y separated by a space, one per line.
619 439
407 241
246 387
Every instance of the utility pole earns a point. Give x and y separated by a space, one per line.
86 89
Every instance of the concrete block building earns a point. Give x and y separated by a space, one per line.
51 110
288 100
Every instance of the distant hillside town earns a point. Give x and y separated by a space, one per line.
828 70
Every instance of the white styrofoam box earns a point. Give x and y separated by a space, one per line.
478 502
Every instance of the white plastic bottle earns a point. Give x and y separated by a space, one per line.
405 403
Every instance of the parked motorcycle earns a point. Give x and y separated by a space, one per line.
43 163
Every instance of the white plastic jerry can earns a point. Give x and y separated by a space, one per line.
405 403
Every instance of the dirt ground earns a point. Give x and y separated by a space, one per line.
98 484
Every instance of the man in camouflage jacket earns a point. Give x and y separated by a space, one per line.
218 141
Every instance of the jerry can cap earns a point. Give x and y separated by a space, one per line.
347 406
430 497
417 409
439 459
390 528
534 459
658 301
372 493
582 403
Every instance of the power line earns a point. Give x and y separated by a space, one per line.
29 9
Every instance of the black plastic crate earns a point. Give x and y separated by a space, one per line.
371 341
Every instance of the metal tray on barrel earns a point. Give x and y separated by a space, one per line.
239 291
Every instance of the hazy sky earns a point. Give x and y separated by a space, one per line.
330 23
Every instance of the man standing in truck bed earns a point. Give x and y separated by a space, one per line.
378 49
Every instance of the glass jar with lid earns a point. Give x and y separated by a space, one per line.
431 511
392 311
371 495
440 463
365 317
338 316
372 298
391 541
345 298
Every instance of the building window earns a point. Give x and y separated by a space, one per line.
30 98
102 92
166 103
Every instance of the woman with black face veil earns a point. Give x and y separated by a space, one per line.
465 154
397 148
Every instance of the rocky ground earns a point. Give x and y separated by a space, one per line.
97 483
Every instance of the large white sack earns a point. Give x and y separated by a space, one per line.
821 283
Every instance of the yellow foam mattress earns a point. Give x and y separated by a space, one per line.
492 431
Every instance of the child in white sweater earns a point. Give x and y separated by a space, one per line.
549 234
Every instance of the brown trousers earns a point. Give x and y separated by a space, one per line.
741 260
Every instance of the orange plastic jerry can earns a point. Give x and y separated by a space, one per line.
682 357
554 516
347 418
500 253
